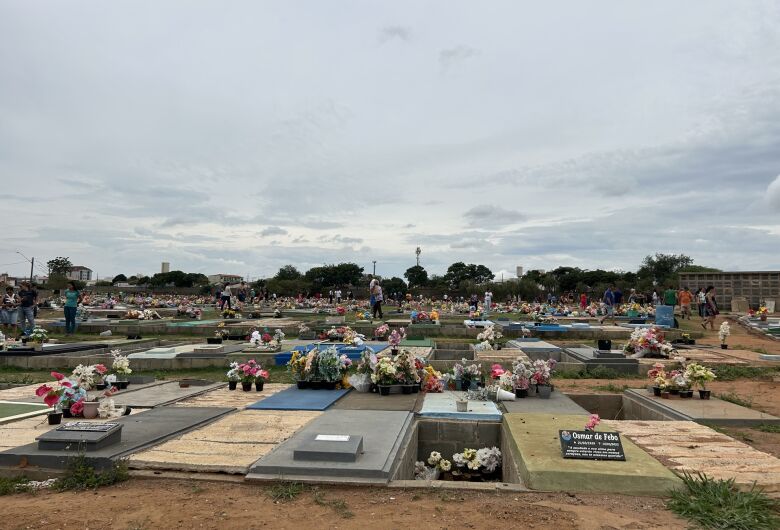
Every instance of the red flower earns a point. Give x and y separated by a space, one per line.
43 390
58 376
51 399
77 407
266 337
99 368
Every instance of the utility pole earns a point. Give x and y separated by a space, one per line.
418 252
374 267
32 263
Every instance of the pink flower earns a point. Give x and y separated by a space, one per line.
99 368
51 399
66 384
58 376
43 390
592 422
77 407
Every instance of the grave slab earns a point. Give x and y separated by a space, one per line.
14 410
139 431
383 434
442 405
162 394
91 436
295 399
478 323
533 439
370 401
229 445
330 448
689 446
559 403
711 411
222 397
534 347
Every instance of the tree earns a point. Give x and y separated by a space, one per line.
334 275
119 278
459 272
663 268
288 272
416 275
393 285
59 266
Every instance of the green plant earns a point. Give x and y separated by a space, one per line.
285 491
611 387
12 485
727 372
767 427
731 397
339 505
81 475
719 504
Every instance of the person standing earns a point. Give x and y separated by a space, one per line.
609 305
330 297
10 311
338 296
685 297
655 297
241 295
28 300
701 300
710 308
670 296
583 300
488 302
225 297
72 300
618 296
377 307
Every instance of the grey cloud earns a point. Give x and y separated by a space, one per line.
273 231
493 216
773 194
452 56
389 33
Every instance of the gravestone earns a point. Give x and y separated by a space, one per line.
591 445
664 315
334 320
330 448
89 436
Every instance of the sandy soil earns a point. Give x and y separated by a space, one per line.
146 504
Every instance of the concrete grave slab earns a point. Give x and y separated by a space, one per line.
89 436
383 435
533 439
504 356
559 403
161 394
139 431
26 393
370 401
293 398
222 397
229 445
442 405
330 448
689 446
711 411
16 410
535 349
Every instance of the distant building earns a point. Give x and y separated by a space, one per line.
519 271
754 286
225 278
80 273
166 267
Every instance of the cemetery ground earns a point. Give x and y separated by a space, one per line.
160 498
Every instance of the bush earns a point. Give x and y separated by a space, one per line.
81 475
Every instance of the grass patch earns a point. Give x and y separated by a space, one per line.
731 397
81 475
599 372
338 505
285 491
719 504
9 486
611 387
728 372
767 427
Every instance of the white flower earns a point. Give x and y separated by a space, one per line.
434 458
445 465
473 465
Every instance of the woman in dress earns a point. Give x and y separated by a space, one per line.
710 308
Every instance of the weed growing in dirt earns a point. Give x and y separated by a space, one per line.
731 397
81 475
719 504
339 505
727 372
599 372
9 486
285 491
767 427
611 387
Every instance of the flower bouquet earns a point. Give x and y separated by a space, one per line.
395 338
52 395
648 342
700 375
385 375
381 331
233 376
432 380
541 376
38 336
521 378
467 373
723 333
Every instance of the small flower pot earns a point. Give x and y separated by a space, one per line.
101 386
705 394
544 391
521 392
664 394
724 346
66 413
232 385
302 384
384 390
394 351
406 389
465 384
462 405
656 390
259 386
246 387
674 391
90 410
686 394
55 418
122 385
213 340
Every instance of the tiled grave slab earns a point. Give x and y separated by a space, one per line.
382 431
716 356
139 432
478 323
503 356
712 411
559 403
294 399
370 401
591 359
161 394
442 405
14 410
222 397
533 438
229 445
531 347
689 446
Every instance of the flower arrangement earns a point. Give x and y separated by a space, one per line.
251 372
723 332
396 336
432 380
762 311
233 373
381 331
468 372
592 422
521 375
699 375
84 375
120 364
385 372
542 371
221 333
648 341
297 366
229 313
341 311
329 365
38 335
53 393
406 368
277 313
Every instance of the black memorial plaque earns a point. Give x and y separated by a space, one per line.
87 426
590 445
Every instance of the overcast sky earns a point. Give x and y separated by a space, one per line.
240 136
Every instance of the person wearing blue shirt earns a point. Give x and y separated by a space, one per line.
609 305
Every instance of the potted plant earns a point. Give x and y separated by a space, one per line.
407 371
763 313
248 371
381 332
683 384
542 375
260 379
700 375
384 375
52 395
395 338
297 367
233 376
329 368
121 367
38 336
521 378
657 375
723 334
219 336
